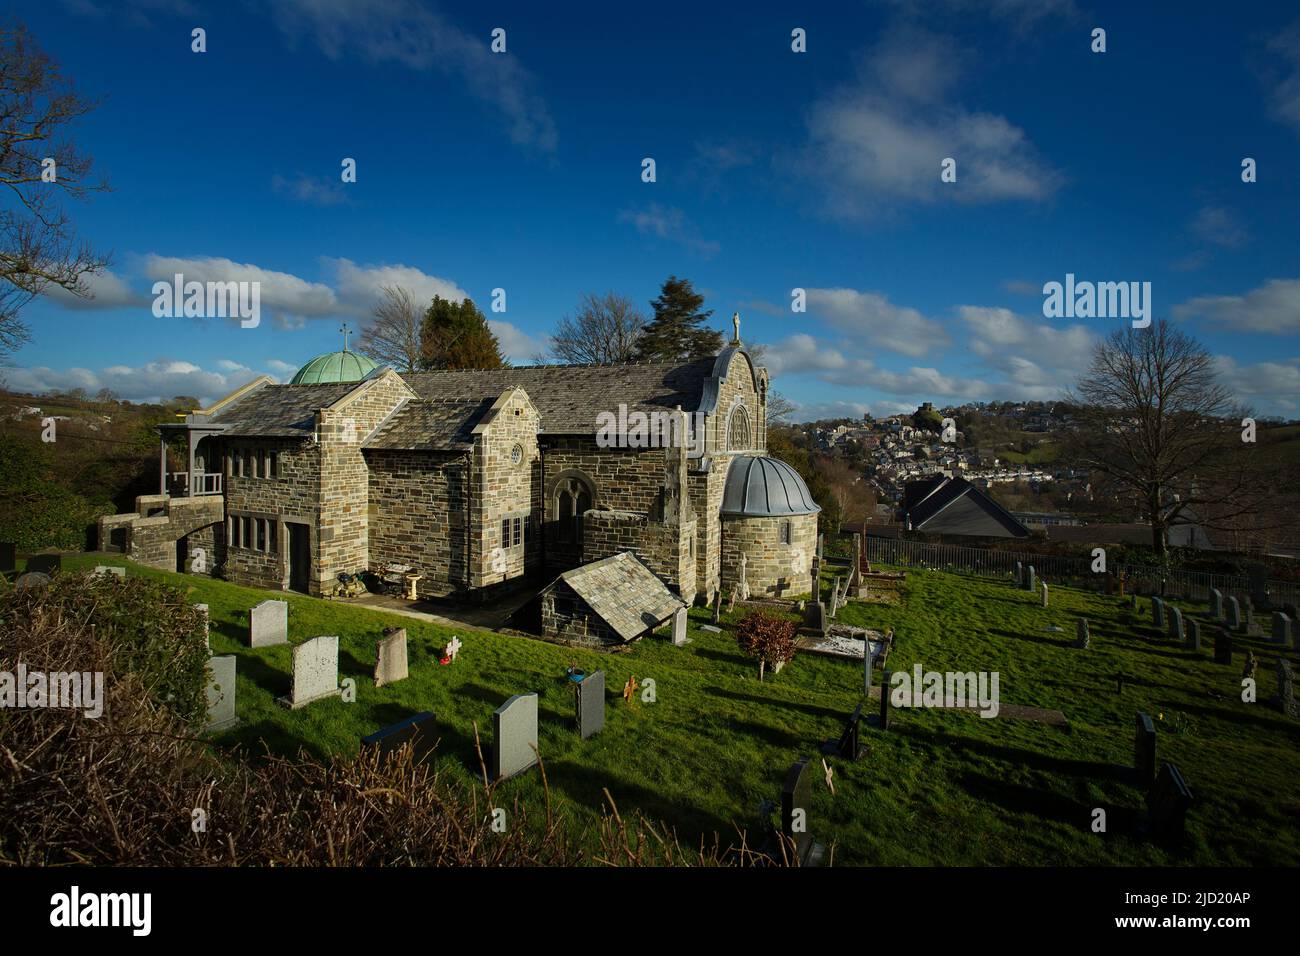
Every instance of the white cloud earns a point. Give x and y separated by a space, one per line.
420 38
156 381
286 296
516 345
108 290
281 368
1277 384
1219 226
668 223
872 318
359 287
881 141
1282 74
1273 308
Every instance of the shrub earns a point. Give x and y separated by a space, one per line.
767 638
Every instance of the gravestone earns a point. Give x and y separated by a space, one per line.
1193 642
1031 579
1020 575
591 704
8 557
815 618
1144 750
1176 631
32 579
837 595
884 699
109 570
679 627
268 624
207 640
1286 687
1281 629
1234 614
315 671
1216 604
717 606
1082 638
817 576
390 653
420 731
866 663
1168 801
514 736
1157 611
221 694
1044 587
849 746
796 809
1133 601
1223 646
856 587
49 564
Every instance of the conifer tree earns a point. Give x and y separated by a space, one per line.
457 335
677 332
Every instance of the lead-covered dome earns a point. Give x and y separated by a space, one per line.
760 487
344 366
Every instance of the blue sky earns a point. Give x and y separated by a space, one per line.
775 170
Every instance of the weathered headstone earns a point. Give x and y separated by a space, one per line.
1176 631
679 627
1157 611
221 694
1082 637
796 808
1020 575
420 731
591 704
885 688
1031 579
315 671
514 736
268 624
741 590
207 623
815 617
1168 802
1044 587
1234 614
1216 604
390 653
1193 642
1286 687
1144 750
49 564
8 557
1223 646
109 570
717 606
1281 629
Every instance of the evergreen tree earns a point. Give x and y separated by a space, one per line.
676 332
457 335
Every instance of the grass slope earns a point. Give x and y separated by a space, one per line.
941 788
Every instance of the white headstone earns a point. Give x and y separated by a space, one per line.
679 627
315 671
514 736
221 693
268 624
391 662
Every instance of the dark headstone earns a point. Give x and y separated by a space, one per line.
849 746
420 731
591 704
1168 801
1234 614
1144 750
8 556
1216 604
815 617
49 564
1223 646
1177 634
885 688
1281 629
796 807
1157 611
1193 642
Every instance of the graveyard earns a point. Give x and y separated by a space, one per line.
702 743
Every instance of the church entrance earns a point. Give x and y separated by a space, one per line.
299 556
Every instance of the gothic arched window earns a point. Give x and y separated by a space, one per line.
571 499
738 435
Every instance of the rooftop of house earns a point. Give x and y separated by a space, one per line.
624 593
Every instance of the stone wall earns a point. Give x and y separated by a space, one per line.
292 495
663 548
506 490
566 617
772 569
159 522
418 515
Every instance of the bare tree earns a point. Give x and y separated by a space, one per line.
779 408
605 331
1156 423
39 165
393 338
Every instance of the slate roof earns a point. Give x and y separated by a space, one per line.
279 410
570 397
924 503
425 425
624 593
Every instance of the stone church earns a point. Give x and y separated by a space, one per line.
477 478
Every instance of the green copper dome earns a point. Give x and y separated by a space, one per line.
342 366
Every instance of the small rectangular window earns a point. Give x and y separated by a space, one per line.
273 534
505 532
248 532
519 533
261 534
273 464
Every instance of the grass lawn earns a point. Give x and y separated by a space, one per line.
940 788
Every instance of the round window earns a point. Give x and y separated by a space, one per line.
517 453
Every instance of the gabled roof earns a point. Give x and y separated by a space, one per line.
569 398
278 410
624 593
430 425
925 504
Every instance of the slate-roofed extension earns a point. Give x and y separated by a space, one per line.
955 506
431 425
624 593
570 397
279 410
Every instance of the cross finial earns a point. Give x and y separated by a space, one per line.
735 323
346 332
